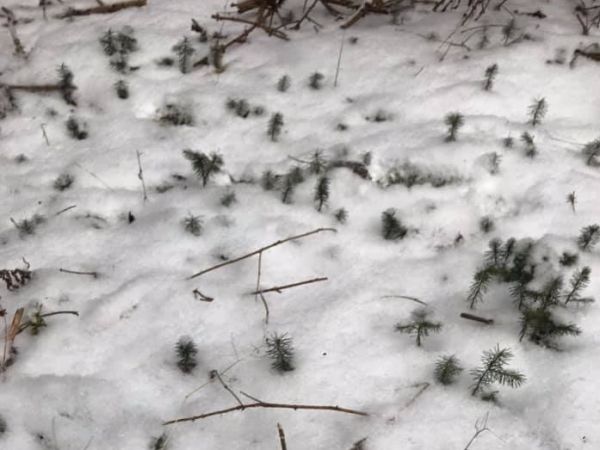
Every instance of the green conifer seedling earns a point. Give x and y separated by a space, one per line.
392 228
454 121
537 111
275 126
322 192
490 75
420 325
493 370
281 352
186 354
588 237
204 165
447 368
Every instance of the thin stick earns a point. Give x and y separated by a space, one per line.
43 127
477 318
339 61
260 250
424 386
200 296
5 340
278 289
215 374
414 299
65 210
76 272
281 437
480 427
208 382
267 405
258 276
141 174
103 9
94 175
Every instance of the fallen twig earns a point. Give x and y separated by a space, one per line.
76 272
141 174
414 299
477 318
65 210
281 437
260 250
260 404
200 296
215 374
278 289
103 9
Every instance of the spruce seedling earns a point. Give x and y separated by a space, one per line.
228 199
490 75
591 151
193 224
539 325
392 228
317 163
420 325
572 200
530 148
537 111
281 352
284 83
588 237
568 259
508 142
77 130
486 224
275 126
579 281
268 181
122 89
322 192
159 443
316 80
63 182
186 351
493 370
341 215
287 190
480 285
184 51
454 121
447 368
204 165
66 85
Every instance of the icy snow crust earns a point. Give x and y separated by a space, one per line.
108 379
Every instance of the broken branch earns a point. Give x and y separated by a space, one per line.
278 289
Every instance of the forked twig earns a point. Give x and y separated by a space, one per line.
278 289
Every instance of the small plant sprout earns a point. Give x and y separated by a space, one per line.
479 286
287 189
186 351
316 81
591 151
281 352
539 325
447 368
322 192
122 89
275 126
588 237
176 115
420 325
159 443
216 57
193 224
493 370
579 281
184 51
454 121
341 215
508 142
530 148
228 199
317 163
28 227
571 199
284 83
66 85
76 129
486 224
36 320
391 227
568 259
490 75
63 182
268 180
205 166
537 111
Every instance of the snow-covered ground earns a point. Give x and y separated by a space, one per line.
108 379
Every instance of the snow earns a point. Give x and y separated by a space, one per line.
108 378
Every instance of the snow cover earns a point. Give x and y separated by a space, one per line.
108 379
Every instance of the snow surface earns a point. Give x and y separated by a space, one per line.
108 379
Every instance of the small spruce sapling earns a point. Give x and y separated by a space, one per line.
268 180
176 115
486 224
341 215
322 192
591 151
493 370
284 83
447 368
281 352
530 148
480 285
275 126
184 51
28 227
159 443
490 75
204 165
317 163
122 89
77 130
420 325
571 199
66 85
186 351
508 142
539 325
588 237
579 281
537 111
193 224
228 199
391 227
568 259
316 81
63 182
454 121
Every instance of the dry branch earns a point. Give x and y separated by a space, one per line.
103 9
260 250
200 296
278 289
281 437
260 404
477 318
76 272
